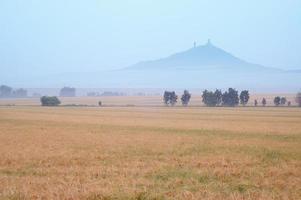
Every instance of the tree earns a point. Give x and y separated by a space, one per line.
5 91
283 101
218 96
185 98
212 98
244 97
264 102
50 101
277 101
67 92
298 99
170 98
209 98
230 97
255 102
166 97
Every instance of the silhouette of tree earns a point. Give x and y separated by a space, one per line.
277 101
185 98
230 97
283 101
218 95
244 97
212 98
255 102
298 99
170 98
5 91
264 102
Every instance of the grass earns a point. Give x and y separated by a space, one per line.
150 153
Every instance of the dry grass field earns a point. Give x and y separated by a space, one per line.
150 153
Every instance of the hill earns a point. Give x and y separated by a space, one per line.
205 66
204 57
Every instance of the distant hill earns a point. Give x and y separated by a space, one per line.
201 67
206 57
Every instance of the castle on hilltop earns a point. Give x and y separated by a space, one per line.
208 43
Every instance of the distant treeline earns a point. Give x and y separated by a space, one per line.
231 98
106 93
68 92
9 92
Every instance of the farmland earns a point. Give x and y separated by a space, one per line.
148 151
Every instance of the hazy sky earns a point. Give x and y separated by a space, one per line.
92 35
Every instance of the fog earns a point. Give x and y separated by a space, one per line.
89 44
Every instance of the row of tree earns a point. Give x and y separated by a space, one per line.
228 98
231 97
281 101
9 92
106 93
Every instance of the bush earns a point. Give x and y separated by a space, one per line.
50 101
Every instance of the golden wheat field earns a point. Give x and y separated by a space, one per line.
149 152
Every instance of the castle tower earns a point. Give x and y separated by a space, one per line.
208 42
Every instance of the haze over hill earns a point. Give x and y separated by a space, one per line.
56 43
204 66
212 67
204 57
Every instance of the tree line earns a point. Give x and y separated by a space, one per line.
230 98
9 92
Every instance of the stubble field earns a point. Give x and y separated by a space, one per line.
150 153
